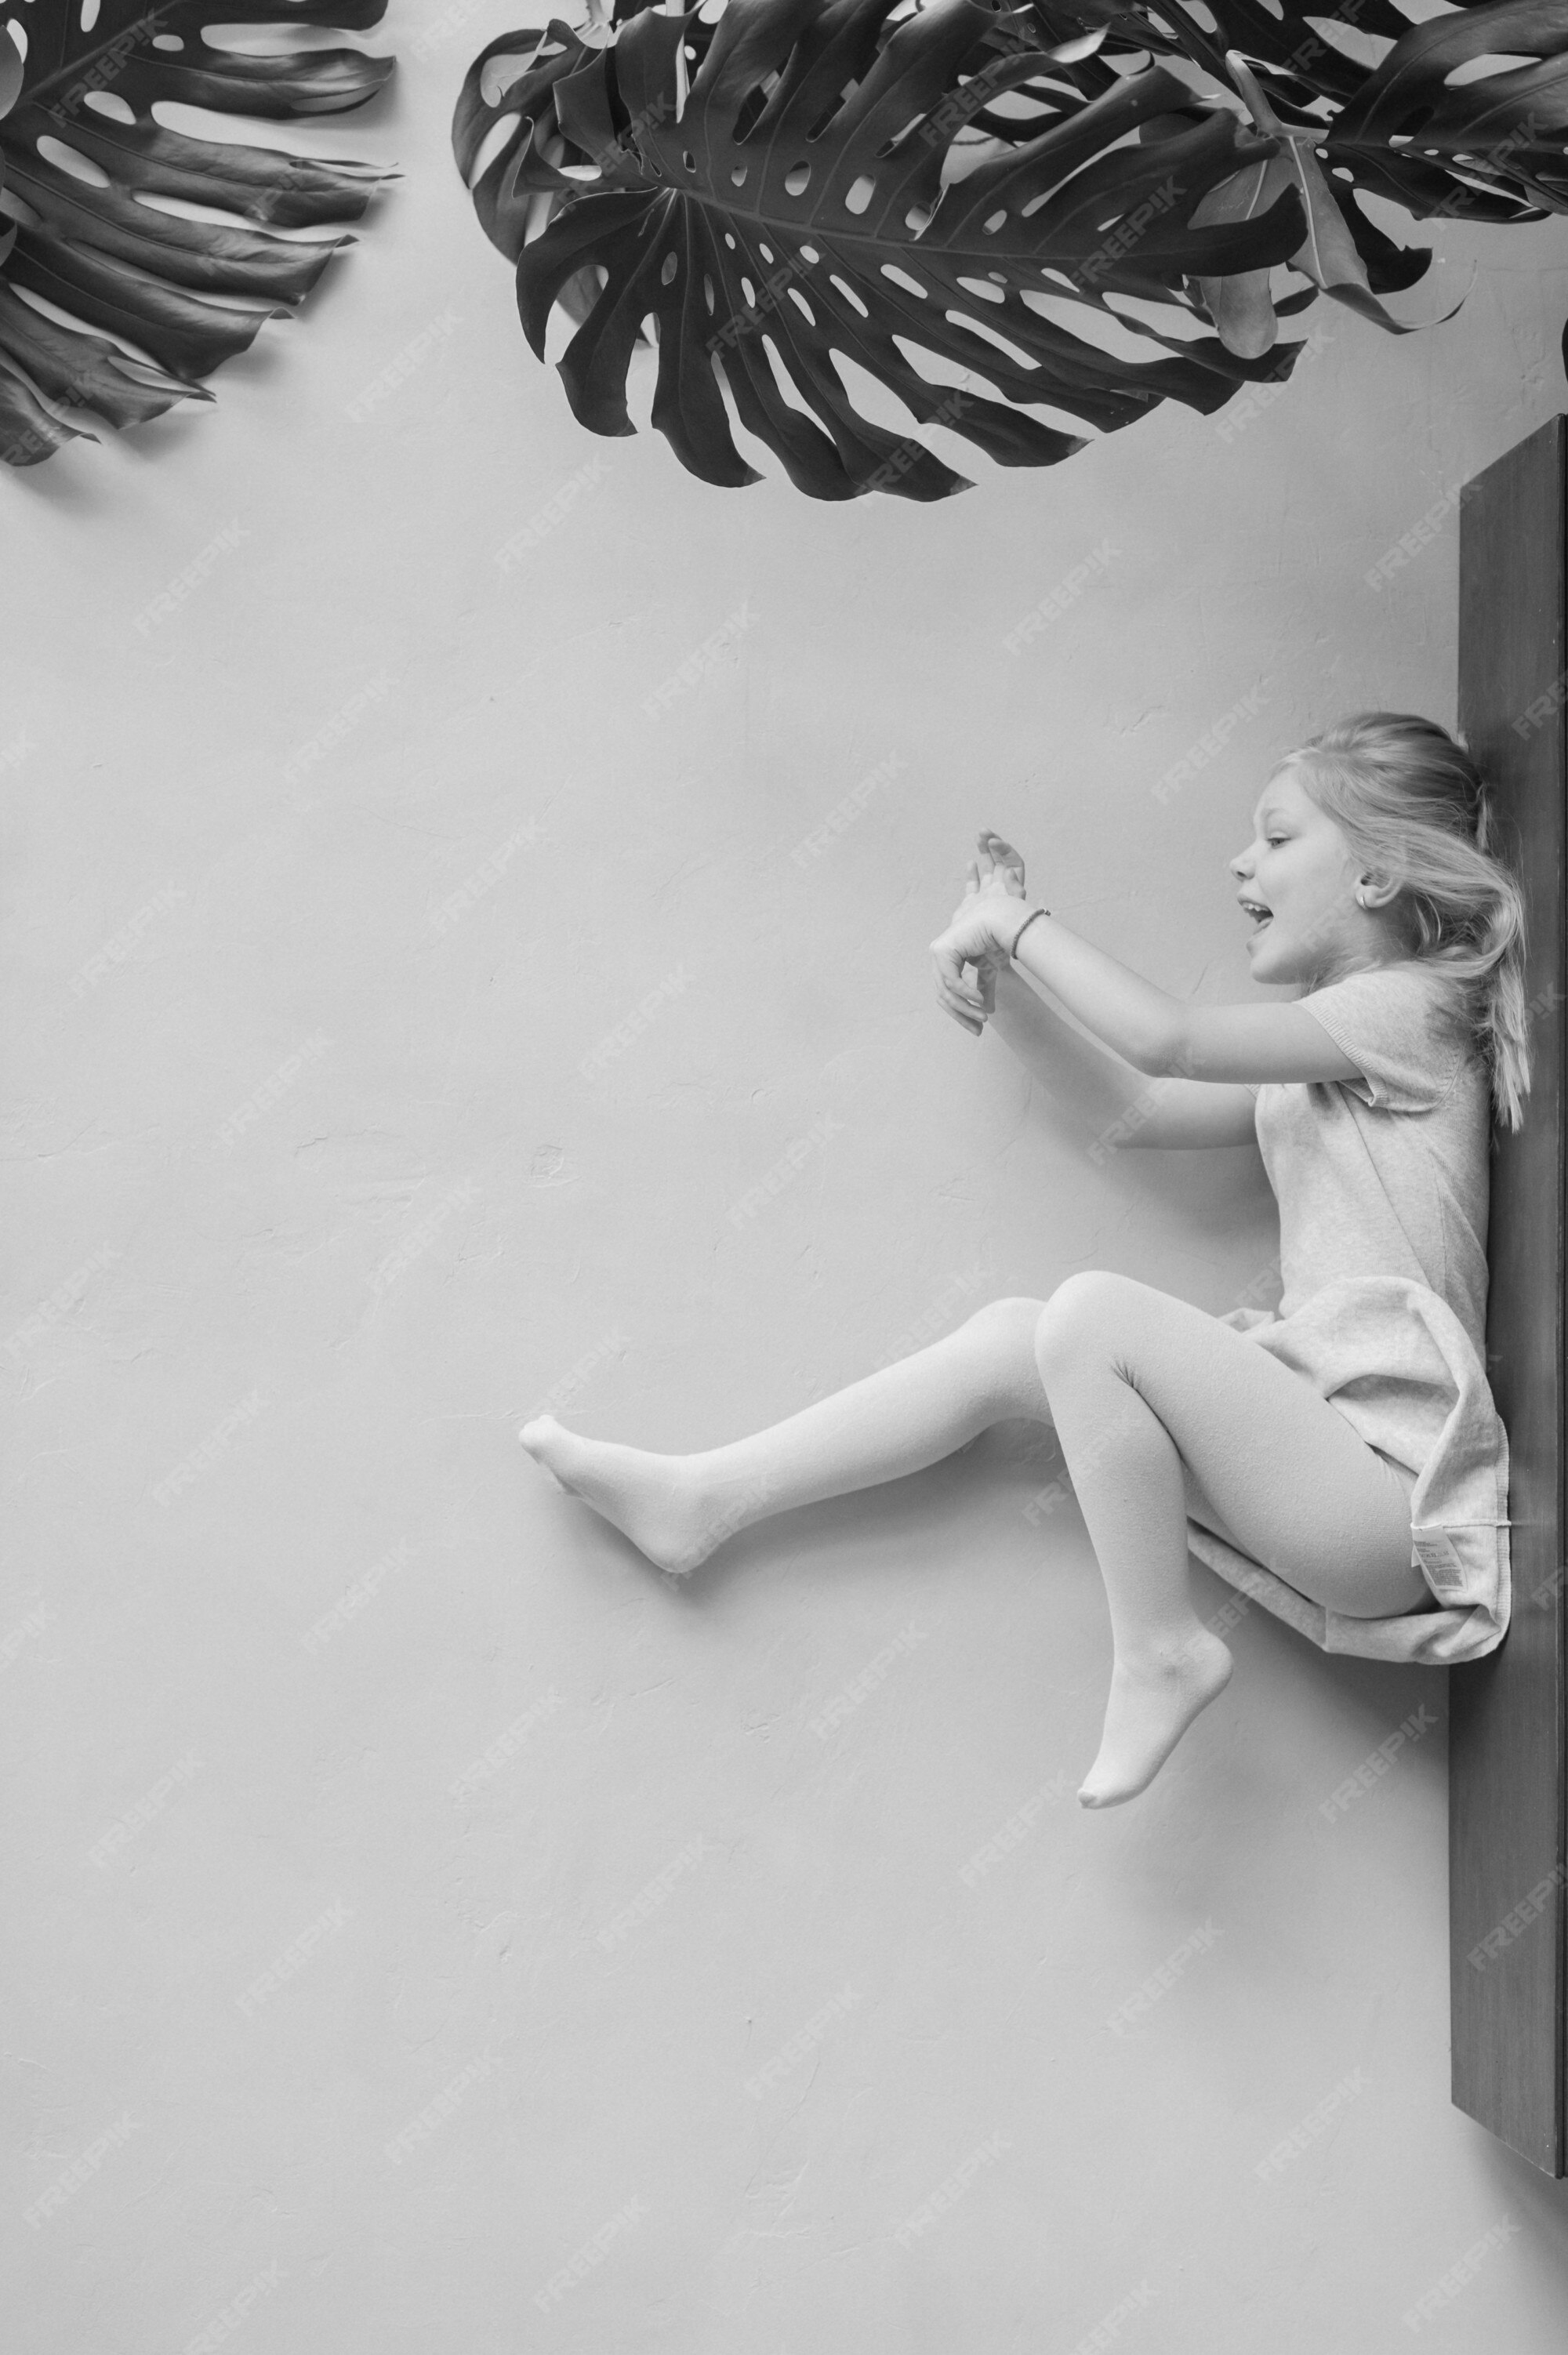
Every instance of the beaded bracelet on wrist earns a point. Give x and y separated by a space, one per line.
1024 927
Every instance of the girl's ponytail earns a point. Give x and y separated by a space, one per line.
1412 804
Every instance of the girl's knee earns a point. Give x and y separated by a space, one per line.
1084 1313
1000 1337
1005 1320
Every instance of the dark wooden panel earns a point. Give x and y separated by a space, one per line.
1507 1905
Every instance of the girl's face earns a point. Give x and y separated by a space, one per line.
1299 876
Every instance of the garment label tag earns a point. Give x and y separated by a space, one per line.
1435 1553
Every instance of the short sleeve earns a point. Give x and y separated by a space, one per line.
1395 1024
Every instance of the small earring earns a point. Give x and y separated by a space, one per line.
1361 898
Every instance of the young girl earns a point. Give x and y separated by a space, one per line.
1338 1459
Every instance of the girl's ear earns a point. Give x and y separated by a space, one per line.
1375 891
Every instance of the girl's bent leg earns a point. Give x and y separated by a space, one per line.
677 1508
1140 1385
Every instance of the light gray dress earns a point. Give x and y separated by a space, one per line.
1383 1184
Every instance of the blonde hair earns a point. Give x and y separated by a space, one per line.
1414 807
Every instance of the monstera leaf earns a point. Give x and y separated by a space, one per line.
1242 308
1487 148
773 183
157 241
1024 196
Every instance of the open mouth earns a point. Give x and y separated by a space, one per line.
1259 915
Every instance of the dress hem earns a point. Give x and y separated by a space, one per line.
1430 1380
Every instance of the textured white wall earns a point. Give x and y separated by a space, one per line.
563 1230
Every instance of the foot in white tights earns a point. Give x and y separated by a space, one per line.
655 1500
1149 1712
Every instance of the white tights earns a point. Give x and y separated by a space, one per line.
1159 1410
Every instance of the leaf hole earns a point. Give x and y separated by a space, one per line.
66 159
500 72
981 327
993 221
1034 102
799 300
766 252
666 273
1365 49
167 41
917 219
789 392
88 15
797 179
901 278
707 293
104 102
848 294
809 253
737 176
536 219
860 195
688 159
1169 319
495 143
986 289
890 146
182 208
1483 68
1102 329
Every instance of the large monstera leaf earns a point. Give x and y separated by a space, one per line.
773 182
1023 195
85 165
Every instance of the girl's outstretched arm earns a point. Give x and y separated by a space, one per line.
1155 1032
1099 1090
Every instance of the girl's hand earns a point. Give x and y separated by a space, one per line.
999 859
980 933
997 865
